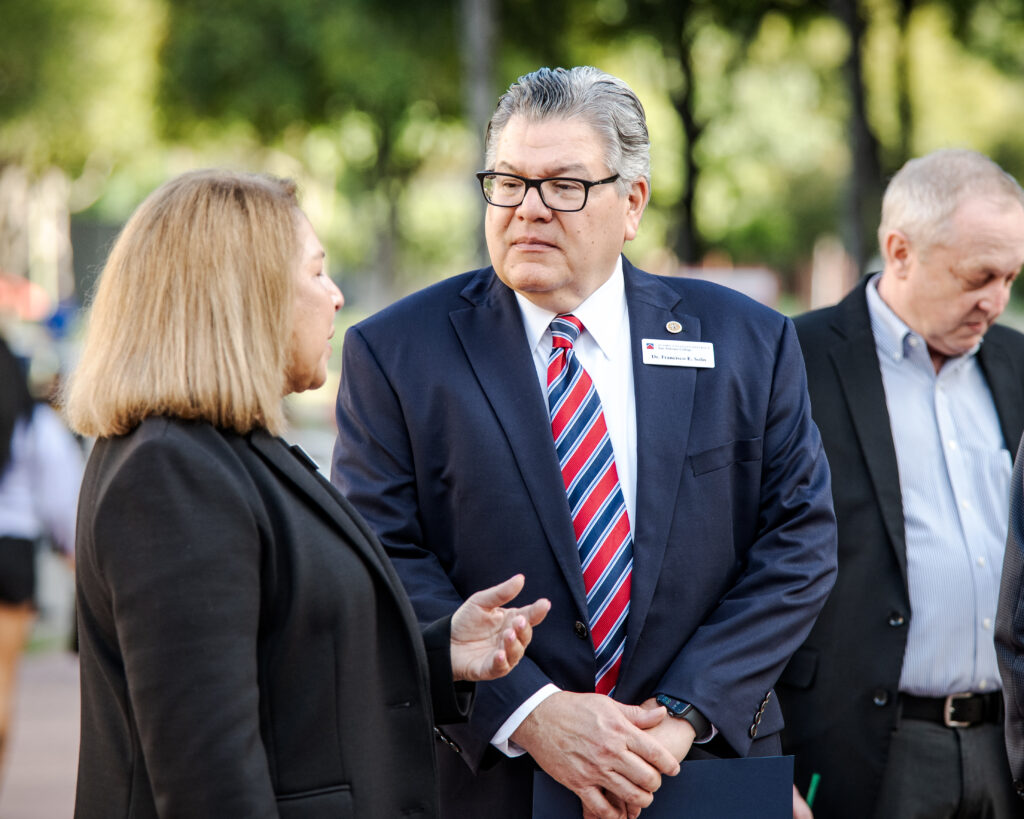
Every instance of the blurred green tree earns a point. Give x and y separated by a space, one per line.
75 97
284 66
395 77
676 28
75 79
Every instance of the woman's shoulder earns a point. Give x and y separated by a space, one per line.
164 432
171 459
161 444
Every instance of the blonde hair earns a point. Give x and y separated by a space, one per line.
191 317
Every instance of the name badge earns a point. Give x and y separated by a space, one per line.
670 353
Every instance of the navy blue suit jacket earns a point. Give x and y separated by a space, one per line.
445 446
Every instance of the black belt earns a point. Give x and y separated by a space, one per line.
956 710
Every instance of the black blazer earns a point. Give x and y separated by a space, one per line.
839 691
246 648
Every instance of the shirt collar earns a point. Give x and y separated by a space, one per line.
893 338
889 330
602 314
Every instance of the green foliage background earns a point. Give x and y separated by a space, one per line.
750 106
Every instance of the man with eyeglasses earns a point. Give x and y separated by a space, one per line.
641 448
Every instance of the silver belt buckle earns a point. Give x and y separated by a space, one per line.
947 711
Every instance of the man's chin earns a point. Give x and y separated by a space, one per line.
976 334
533 279
962 346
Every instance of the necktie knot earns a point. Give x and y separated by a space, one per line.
565 329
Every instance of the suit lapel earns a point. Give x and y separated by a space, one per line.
490 330
664 406
295 466
291 463
1006 385
856 364
492 336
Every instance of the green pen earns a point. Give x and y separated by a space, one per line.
812 789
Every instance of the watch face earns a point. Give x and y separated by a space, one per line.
676 708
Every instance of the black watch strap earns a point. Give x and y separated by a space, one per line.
680 709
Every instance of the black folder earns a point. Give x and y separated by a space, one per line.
753 788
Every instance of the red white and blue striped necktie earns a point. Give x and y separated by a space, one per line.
598 508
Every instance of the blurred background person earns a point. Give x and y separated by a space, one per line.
894 697
40 472
246 649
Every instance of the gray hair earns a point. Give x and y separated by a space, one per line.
604 102
924 194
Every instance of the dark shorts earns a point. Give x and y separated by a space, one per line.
17 570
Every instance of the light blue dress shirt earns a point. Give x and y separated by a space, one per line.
954 472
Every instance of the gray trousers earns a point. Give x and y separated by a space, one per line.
935 772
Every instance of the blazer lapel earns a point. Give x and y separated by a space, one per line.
1007 387
664 405
490 329
301 471
855 360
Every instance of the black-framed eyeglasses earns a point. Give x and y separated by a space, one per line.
508 190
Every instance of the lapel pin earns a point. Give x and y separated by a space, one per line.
674 327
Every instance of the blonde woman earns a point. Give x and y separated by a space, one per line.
246 648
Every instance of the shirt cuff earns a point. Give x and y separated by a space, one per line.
710 735
502 740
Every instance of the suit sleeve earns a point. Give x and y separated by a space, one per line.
177 551
730 664
451 700
375 468
1009 635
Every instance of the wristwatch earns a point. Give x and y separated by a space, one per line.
679 709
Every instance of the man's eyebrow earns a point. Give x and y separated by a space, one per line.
571 169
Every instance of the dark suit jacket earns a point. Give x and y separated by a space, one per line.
246 649
445 446
1010 626
839 692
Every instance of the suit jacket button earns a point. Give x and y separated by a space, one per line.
896 619
581 630
881 697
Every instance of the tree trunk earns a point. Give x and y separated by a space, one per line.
687 243
383 287
479 24
677 47
904 8
865 184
